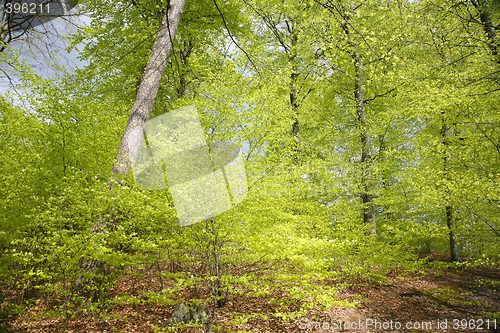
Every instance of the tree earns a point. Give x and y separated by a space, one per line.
148 89
446 80
135 128
356 47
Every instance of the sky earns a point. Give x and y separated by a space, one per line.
46 44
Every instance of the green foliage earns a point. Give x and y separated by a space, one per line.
300 232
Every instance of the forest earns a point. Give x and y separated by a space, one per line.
357 186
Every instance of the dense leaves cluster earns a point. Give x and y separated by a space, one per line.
370 130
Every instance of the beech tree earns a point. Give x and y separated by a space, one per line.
148 89
360 44
370 133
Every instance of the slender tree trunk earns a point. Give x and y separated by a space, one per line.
488 27
144 102
445 134
366 146
294 92
148 89
455 255
369 216
384 177
134 131
184 54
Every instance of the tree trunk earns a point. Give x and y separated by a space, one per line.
148 89
369 216
384 178
134 131
455 256
366 146
445 133
488 27
294 92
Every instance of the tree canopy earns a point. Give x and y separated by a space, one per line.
370 134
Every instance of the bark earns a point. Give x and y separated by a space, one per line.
366 146
445 134
134 131
489 28
294 92
184 55
144 102
148 89
369 216
455 255
384 177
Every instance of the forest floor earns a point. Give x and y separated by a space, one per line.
439 300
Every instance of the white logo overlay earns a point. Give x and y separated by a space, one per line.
205 180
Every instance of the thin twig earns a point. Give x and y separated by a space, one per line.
235 43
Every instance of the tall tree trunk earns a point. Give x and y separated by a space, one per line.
369 216
294 92
184 54
488 27
148 89
366 145
445 134
384 177
455 255
134 131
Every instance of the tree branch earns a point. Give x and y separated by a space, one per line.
231 36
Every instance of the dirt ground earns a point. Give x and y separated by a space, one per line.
456 301
451 300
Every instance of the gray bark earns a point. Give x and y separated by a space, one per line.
148 89
454 253
369 215
445 134
140 113
366 146
488 27
294 100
